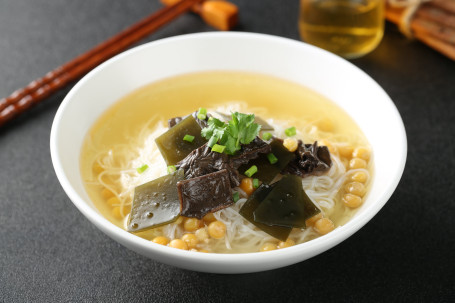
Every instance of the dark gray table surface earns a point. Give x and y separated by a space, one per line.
50 253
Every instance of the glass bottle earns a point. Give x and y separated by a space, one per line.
349 28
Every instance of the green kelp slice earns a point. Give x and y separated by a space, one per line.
247 211
155 203
171 144
286 205
266 170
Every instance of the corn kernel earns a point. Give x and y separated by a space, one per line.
160 240
191 224
268 247
355 188
217 229
208 218
362 153
310 221
191 240
357 163
247 186
202 234
324 226
291 144
177 243
345 150
288 243
352 201
359 176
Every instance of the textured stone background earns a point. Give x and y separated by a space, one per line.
50 253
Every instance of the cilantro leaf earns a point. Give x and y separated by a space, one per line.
241 129
247 129
251 132
230 146
214 131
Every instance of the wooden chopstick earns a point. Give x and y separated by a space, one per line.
20 100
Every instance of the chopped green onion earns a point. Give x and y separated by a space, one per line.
291 131
266 136
212 141
218 148
251 171
235 196
255 183
202 113
142 169
188 138
171 169
272 158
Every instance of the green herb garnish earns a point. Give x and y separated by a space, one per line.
218 148
272 158
212 141
241 129
266 136
255 183
142 169
291 131
235 196
251 171
202 113
171 169
188 138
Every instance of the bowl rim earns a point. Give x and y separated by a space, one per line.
312 247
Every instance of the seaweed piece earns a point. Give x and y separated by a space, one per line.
171 144
155 203
264 125
266 170
202 123
310 159
202 195
251 151
247 211
286 205
203 160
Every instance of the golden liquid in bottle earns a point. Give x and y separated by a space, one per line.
349 28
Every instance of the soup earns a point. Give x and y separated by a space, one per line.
120 154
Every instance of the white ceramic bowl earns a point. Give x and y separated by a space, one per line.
337 79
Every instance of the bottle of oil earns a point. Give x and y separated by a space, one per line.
349 28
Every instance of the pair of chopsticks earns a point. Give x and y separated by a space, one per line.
220 14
